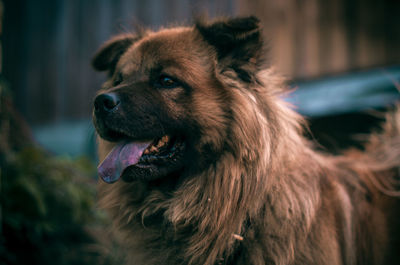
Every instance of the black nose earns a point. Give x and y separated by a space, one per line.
106 102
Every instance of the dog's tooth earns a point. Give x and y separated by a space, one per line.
153 148
165 138
160 143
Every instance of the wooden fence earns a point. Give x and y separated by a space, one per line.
48 44
310 38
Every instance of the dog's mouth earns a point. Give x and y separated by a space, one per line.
142 159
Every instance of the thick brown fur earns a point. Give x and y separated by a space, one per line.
263 195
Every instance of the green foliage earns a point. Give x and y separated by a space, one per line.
48 210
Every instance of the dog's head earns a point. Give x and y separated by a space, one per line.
164 105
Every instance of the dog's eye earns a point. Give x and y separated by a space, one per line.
166 82
118 79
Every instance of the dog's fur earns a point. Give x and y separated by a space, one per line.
252 189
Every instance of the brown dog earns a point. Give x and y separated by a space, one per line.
214 166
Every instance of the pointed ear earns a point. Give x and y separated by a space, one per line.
107 56
238 43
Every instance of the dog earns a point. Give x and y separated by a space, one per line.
203 162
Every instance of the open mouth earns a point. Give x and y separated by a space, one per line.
160 149
146 157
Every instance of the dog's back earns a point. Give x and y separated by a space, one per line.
371 213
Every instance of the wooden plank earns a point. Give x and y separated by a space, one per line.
311 46
339 52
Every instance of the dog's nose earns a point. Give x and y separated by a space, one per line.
106 102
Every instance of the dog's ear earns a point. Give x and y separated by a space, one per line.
238 43
107 56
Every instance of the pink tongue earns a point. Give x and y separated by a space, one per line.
121 156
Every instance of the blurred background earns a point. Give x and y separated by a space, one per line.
47 47
341 56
